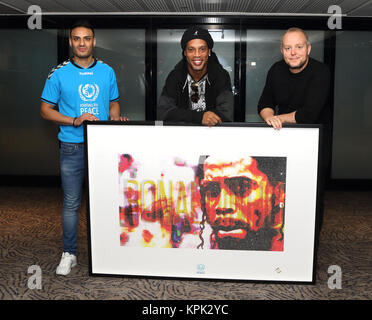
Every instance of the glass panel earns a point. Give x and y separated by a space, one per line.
170 52
352 127
124 51
263 50
28 144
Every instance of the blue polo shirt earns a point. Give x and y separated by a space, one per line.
76 90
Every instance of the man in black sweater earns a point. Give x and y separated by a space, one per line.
297 91
298 85
198 89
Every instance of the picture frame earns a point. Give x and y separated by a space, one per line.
236 201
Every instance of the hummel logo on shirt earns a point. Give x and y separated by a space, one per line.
86 73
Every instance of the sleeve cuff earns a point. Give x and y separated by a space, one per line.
50 102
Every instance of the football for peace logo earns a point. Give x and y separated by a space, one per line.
88 92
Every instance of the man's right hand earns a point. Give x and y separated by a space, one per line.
274 121
210 119
268 115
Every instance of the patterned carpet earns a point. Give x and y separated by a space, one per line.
30 234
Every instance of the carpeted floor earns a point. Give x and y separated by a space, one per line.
30 234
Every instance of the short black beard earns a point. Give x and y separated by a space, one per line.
86 56
260 240
82 57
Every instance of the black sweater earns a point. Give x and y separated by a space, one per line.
306 91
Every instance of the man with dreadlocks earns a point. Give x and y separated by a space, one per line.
242 206
198 89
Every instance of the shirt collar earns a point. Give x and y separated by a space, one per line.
77 66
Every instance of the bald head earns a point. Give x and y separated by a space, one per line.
295 49
298 30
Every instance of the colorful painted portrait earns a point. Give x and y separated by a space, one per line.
204 203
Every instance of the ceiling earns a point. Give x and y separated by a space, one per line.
350 8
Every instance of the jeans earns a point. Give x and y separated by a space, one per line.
72 177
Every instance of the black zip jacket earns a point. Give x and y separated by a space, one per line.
174 102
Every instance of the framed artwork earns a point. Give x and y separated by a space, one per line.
235 201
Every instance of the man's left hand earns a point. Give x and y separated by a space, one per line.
119 118
210 119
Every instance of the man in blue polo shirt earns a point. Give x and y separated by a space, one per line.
83 88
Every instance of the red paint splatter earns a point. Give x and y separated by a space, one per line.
147 236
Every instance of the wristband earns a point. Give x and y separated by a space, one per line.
73 123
